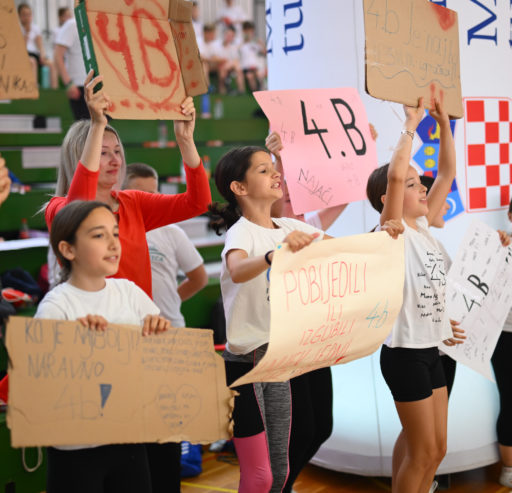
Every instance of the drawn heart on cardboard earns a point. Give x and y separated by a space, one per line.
178 408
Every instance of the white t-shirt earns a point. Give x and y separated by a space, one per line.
218 49
198 30
31 39
235 14
206 50
246 304
313 218
170 249
422 321
68 36
119 302
250 56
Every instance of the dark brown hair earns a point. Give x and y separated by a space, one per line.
65 225
376 187
427 182
231 167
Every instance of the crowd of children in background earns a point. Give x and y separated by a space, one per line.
110 232
233 59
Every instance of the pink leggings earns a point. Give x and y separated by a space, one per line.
262 417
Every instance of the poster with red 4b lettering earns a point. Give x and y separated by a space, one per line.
328 151
149 63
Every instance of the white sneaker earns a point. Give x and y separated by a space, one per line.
506 476
433 487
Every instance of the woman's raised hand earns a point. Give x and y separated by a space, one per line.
184 129
98 102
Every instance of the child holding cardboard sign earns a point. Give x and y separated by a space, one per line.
247 179
85 240
410 358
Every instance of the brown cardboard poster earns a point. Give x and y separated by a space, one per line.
70 386
136 53
17 79
412 50
180 17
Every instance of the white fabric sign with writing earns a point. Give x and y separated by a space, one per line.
479 295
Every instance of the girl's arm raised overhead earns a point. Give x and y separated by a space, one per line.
98 104
446 166
399 165
184 132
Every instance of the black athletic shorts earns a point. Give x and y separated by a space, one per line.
411 374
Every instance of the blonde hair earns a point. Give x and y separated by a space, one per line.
71 151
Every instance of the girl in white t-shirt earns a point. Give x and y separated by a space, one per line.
247 179
410 358
85 239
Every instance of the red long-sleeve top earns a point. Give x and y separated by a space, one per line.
138 213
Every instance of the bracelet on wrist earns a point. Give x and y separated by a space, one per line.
408 132
267 259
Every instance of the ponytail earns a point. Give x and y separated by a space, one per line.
223 216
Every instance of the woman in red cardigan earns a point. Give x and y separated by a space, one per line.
92 168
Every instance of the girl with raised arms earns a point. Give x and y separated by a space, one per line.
247 179
410 358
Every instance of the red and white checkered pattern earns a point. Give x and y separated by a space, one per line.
488 153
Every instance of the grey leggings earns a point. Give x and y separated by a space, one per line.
260 407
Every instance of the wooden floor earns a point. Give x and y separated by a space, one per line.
221 473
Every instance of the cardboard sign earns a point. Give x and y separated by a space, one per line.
17 79
328 150
148 68
412 50
479 295
69 385
332 302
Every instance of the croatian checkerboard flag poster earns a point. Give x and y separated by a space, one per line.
488 142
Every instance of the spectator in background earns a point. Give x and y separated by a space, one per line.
196 23
226 53
252 58
34 43
5 181
232 15
222 56
63 14
70 65
169 249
